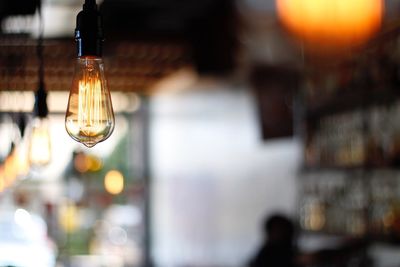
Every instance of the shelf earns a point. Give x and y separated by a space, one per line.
350 101
359 168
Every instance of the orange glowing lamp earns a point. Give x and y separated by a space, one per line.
331 23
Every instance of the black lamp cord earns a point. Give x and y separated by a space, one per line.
40 108
39 48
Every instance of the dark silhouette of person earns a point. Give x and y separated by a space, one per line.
278 249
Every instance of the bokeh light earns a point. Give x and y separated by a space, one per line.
114 182
331 23
68 218
84 163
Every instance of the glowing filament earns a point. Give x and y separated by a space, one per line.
90 117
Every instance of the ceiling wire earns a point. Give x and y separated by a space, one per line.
39 49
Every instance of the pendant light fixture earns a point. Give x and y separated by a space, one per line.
89 118
39 149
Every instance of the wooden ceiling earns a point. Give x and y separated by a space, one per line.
146 42
131 66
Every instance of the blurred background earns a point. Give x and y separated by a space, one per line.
227 112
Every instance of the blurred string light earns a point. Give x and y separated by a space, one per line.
114 182
39 150
331 24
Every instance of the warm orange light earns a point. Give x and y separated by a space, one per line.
331 23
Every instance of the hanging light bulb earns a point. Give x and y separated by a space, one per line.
40 145
21 161
39 149
89 118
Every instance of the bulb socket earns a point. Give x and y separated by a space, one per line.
21 123
40 108
89 30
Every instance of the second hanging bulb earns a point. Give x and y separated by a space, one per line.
90 116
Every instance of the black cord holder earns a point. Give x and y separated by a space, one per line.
89 30
40 108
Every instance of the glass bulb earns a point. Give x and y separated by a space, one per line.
39 151
90 117
9 169
7 135
21 159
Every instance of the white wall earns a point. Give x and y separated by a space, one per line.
214 179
